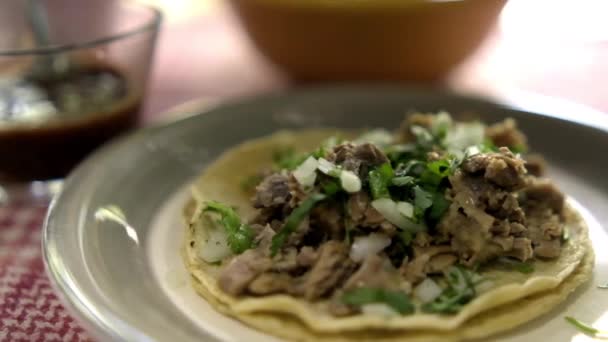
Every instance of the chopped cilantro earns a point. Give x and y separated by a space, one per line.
405 236
240 236
440 206
379 180
586 328
330 187
436 171
397 300
516 265
293 220
422 201
412 168
518 149
403 181
460 290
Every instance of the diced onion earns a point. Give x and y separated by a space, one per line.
306 174
406 209
378 309
427 290
463 135
388 209
326 166
471 151
213 245
368 245
349 181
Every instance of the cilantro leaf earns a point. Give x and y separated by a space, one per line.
460 291
293 221
422 200
516 265
379 180
585 328
436 171
397 300
403 181
331 187
439 207
240 236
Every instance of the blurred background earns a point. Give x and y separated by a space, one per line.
552 47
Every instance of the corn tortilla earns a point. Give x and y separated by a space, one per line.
512 299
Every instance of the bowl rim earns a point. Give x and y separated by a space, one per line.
150 25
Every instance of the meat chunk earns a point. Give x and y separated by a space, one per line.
328 217
269 283
296 192
506 134
522 249
536 165
307 256
296 237
503 168
428 260
363 214
544 192
357 158
373 272
330 270
264 236
273 191
548 248
241 271
545 229
440 263
286 260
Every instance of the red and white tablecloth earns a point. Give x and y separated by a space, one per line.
29 308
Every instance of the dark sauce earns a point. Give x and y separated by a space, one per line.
48 125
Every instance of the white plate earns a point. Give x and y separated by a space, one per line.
122 274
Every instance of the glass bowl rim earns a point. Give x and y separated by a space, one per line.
150 25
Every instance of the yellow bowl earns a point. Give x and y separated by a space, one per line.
338 40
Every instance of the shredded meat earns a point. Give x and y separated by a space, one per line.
485 219
544 192
357 158
522 249
307 256
428 260
373 272
362 214
241 271
330 270
273 191
503 168
536 165
329 218
497 207
269 283
286 261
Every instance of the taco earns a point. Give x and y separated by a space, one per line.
441 230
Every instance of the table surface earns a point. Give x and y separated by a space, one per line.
203 53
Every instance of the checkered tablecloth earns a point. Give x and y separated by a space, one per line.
29 309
